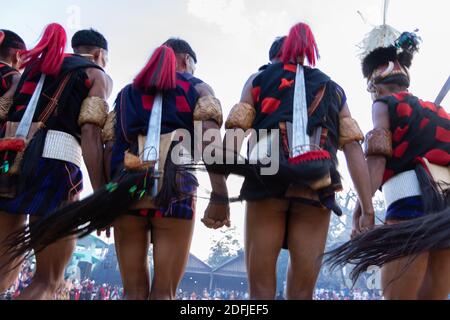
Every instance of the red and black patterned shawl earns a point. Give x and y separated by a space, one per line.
419 129
65 117
273 96
6 74
134 107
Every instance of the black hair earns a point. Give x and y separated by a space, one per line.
275 49
399 80
181 46
406 240
403 51
89 38
11 41
378 57
382 56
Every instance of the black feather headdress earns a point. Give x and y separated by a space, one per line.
378 57
401 50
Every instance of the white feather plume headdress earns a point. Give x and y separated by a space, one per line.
381 36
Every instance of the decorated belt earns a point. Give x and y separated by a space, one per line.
401 186
62 146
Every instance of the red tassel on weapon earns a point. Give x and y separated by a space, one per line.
310 156
14 144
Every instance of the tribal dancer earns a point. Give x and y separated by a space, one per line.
293 208
151 196
10 46
408 156
92 45
274 52
58 113
185 99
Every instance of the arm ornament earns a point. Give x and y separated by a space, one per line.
379 143
94 110
208 108
241 116
349 132
5 105
108 129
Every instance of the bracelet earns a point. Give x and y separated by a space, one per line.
216 197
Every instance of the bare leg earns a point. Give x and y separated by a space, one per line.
402 279
437 280
308 229
264 235
171 243
8 224
50 266
132 240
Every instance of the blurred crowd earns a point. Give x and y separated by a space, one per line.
217 294
90 290
70 290
320 294
356 294
22 281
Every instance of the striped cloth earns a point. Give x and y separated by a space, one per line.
182 208
52 185
133 109
406 209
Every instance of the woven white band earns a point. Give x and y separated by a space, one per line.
62 146
401 186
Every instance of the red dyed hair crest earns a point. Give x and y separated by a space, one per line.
48 55
300 44
159 72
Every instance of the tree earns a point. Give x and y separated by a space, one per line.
339 233
225 246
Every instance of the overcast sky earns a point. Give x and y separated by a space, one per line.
232 39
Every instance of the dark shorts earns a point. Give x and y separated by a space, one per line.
51 186
180 208
406 209
183 209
